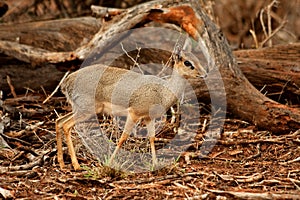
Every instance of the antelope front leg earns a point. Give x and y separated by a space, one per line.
127 130
151 133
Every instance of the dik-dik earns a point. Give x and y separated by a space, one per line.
122 92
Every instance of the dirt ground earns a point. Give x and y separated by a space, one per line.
245 163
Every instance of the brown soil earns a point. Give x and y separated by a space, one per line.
244 160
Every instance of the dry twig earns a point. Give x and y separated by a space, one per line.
12 88
59 84
37 162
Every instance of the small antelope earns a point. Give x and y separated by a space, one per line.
123 92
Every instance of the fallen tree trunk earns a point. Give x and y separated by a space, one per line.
275 71
243 99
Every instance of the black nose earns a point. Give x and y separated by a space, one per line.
3 8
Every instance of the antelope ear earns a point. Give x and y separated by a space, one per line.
187 44
179 46
177 53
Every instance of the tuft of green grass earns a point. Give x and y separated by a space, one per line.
102 172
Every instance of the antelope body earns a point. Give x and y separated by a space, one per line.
120 92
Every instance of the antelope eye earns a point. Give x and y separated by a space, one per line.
189 64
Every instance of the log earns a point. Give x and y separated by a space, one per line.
61 35
275 71
53 35
242 98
